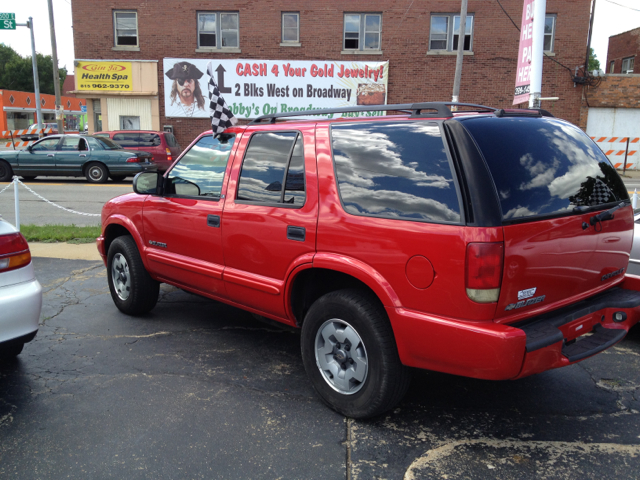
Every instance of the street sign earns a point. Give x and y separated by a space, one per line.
7 21
83 108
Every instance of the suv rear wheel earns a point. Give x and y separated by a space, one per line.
350 355
133 290
6 174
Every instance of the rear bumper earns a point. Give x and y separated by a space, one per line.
100 245
494 351
21 304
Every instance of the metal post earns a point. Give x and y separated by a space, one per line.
15 196
461 36
539 12
36 80
56 75
624 167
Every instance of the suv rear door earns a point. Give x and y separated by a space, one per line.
551 181
270 217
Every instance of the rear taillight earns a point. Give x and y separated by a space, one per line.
484 271
169 157
134 160
14 252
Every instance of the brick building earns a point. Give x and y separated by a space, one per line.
418 39
622 52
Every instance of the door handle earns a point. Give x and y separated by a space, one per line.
82 155
51 154
213 221
296 233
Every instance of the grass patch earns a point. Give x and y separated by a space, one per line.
60 233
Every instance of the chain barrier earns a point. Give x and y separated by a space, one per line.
49 201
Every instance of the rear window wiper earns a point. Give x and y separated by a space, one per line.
601 217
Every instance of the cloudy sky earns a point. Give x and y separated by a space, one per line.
612 17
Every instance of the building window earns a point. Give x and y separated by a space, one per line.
627 64
125 23
445 32
362 31
290 28
549 32
612 66
218 30
129 123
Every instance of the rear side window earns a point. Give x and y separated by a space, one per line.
127 139
149 140
544 166
273 169
397 170
200 171
171 140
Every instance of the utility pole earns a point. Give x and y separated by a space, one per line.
56 75
461 37
539 13
34 64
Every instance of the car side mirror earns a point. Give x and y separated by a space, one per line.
147 183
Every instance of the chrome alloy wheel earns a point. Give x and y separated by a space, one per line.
341 356
120 276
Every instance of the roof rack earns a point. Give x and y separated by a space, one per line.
435 109
523 112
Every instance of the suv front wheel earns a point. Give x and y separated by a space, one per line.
350 355
133 290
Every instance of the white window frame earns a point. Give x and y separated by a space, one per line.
552 35
219 31
451 20
630 63
362 32
115 29
297 17
612 66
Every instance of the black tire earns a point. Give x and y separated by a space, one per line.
118 178
385 379
28 178
96 173
133 290
11 349
6 174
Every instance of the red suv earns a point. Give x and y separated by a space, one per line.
163 146
486 243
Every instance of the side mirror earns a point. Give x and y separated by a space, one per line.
147 183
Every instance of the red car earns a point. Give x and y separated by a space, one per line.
486 243
163 146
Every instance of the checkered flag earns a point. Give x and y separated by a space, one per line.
601 193
221 117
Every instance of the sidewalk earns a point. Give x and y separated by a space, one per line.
67 251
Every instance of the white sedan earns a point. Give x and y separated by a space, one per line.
20 292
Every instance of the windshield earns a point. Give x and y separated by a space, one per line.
107 143
544 166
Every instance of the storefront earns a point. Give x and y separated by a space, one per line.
120 95
19 110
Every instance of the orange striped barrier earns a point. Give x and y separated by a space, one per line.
14 135
615 149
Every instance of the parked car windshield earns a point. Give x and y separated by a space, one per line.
106 143
544 166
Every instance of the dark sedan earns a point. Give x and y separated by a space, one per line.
95 158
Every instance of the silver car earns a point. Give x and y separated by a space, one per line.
20 293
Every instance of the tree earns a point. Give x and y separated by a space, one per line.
16 72
594 63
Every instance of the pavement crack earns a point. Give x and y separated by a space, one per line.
349 424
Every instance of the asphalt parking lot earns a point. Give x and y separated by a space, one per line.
198 389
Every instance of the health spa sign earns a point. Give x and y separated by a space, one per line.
104 76
259 87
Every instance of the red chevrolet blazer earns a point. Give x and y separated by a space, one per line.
483 242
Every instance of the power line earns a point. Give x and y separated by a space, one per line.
624 6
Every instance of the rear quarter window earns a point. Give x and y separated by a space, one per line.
397 170
544 166
171 140
149 140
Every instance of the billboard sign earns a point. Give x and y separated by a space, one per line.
259 87
525 52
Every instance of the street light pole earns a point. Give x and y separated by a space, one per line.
34 64
56 75
461 37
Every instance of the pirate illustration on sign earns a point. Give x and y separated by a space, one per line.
186 94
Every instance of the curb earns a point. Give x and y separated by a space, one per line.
67 251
